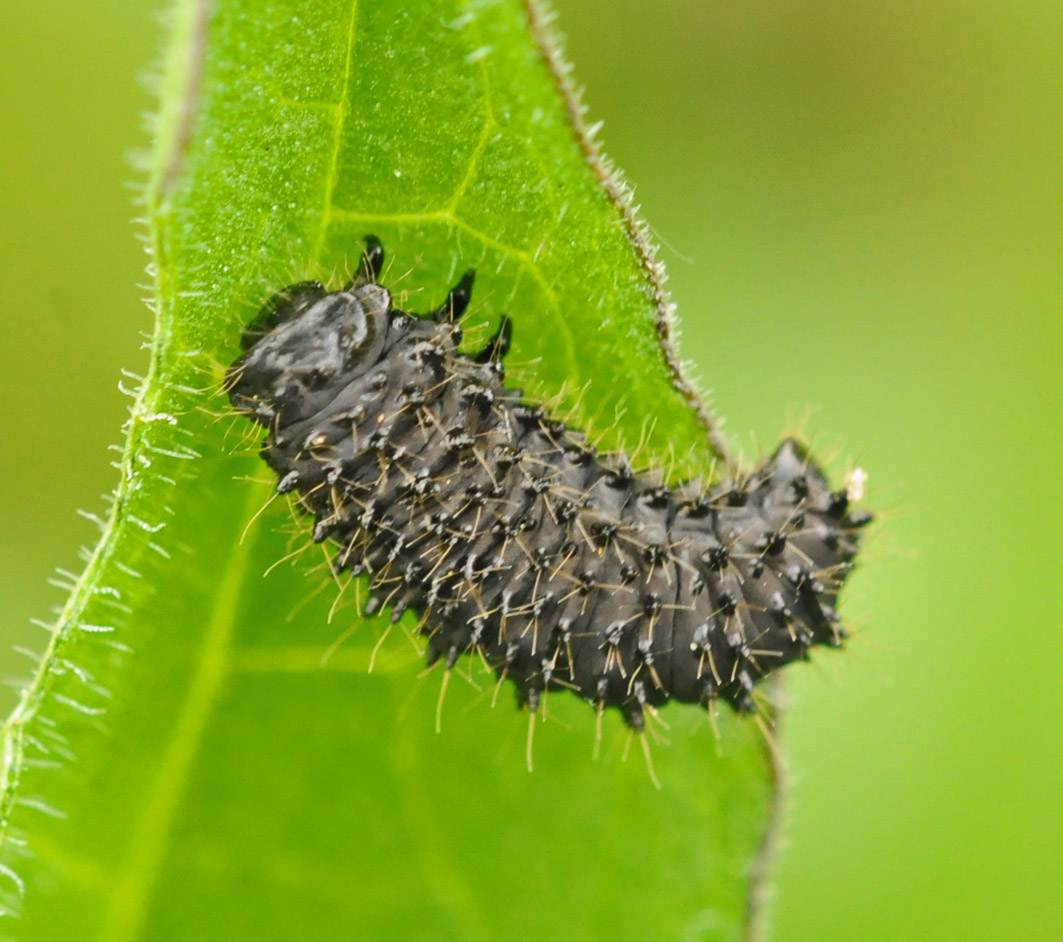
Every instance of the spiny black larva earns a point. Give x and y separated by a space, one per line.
507 533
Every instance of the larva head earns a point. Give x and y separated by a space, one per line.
304 340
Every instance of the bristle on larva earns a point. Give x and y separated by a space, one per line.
506 532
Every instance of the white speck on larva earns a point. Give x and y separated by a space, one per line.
856 484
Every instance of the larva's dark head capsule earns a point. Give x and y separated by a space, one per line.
313 340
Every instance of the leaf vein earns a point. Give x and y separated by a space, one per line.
131 893
343 107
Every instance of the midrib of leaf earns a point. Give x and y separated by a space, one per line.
130 894
342 107
131 891
448 214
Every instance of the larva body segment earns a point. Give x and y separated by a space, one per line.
506 532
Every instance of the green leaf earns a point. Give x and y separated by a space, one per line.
187 762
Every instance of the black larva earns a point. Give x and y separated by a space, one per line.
505 531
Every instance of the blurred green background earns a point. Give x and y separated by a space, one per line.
863 206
